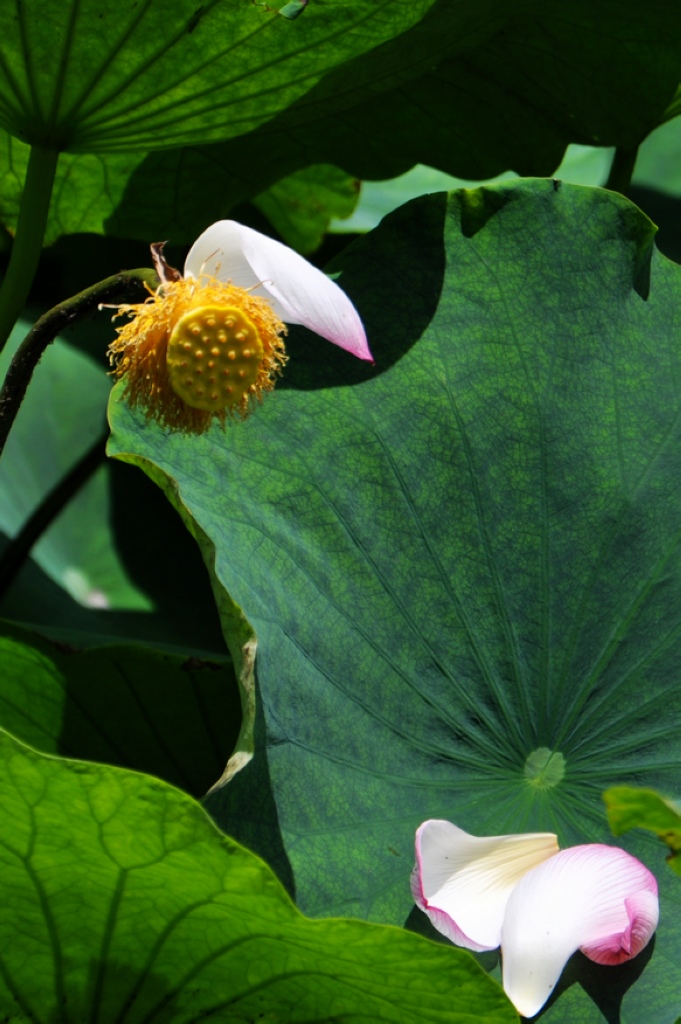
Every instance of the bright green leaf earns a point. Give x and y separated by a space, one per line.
630 807
293 9
177 718
488 102
460 556
95 77
122 901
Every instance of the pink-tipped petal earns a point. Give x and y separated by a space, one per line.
463 882
643 912
299 292
595 898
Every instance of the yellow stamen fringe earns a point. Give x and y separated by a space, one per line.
139 353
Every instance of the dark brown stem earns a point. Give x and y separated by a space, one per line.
621 170
128 286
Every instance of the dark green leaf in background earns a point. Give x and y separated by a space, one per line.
490 88
470 90
462 556
121 901
116 562
177 718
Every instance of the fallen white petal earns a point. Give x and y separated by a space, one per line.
463 882
595 898
299 292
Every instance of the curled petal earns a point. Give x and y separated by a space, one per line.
299 292
643 912
463 882
595 898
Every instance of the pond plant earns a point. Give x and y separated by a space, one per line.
340 569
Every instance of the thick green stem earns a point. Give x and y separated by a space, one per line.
128 286
621 170
28 241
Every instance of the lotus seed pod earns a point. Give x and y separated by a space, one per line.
214 355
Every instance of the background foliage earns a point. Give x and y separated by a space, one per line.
450 561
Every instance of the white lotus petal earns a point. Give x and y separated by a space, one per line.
299 292
463 882
597 898
218 252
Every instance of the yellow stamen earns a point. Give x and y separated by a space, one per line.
198 350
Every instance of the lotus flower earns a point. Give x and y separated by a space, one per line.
539 903
209 342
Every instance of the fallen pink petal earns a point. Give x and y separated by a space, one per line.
539 903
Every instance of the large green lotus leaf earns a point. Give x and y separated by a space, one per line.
61 416
470 89
479 95
122 901
461 557
125 705
84 76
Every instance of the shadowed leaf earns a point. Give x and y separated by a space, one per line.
174 717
